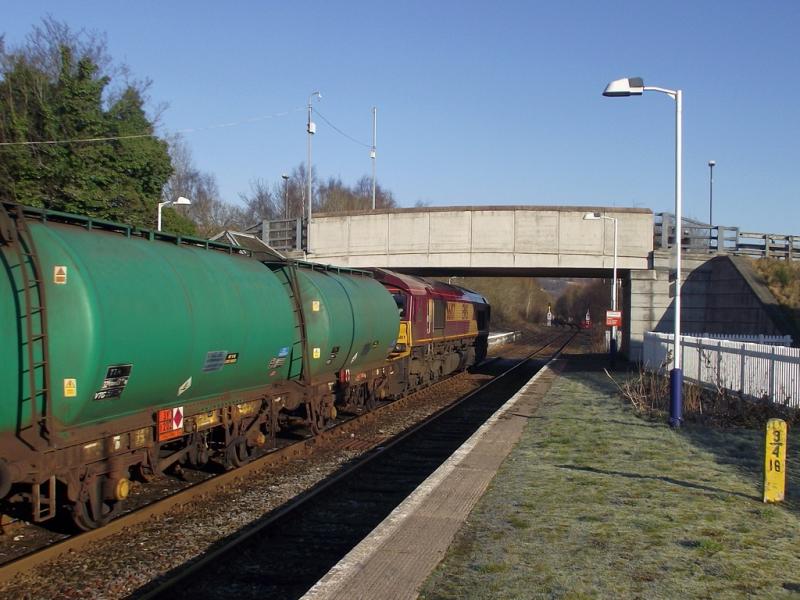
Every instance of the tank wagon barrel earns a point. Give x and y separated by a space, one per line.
125 351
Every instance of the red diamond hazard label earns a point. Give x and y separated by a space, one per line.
177 417
170 423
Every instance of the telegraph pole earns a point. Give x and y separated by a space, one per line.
374 150
311 128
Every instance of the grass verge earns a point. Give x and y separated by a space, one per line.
595 502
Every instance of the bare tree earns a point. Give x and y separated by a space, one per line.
296 192
43 48
383 197
44 43
208 211
263 202
335 196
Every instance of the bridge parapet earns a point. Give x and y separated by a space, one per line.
507 237
719 239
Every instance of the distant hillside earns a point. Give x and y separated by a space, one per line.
558 286
515 301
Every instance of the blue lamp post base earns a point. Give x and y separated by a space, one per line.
675 398
612 352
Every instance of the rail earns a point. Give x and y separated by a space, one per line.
756 371
701 237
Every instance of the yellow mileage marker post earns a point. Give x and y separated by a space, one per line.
775 461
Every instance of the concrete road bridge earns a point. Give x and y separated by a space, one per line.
720 293
511 240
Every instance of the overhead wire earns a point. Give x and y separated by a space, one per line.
150 135
335 128
186 130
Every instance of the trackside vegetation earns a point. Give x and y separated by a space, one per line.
56 89
597 502
783 279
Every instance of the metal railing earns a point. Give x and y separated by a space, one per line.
700 237
756 371
771 340
284 235
495 339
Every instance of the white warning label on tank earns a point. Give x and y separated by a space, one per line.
185 386
60 275
70 388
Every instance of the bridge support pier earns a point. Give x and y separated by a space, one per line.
719 294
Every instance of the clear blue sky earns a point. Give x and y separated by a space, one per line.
478 102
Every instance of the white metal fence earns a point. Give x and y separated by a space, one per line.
754 370
772 340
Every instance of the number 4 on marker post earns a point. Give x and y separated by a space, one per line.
775 461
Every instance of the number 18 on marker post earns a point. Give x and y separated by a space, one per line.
775 461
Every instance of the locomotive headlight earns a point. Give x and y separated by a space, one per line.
399 347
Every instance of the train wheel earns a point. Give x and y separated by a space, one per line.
144 472
92 510
238 453
316 418
370 402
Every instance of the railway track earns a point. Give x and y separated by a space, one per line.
338 437
284 554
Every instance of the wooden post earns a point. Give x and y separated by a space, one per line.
775 461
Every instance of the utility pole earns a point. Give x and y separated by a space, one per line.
285 178
711 165
311 129
374 151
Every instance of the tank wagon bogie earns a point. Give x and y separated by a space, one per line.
125 352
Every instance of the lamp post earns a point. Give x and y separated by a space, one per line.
180 201
285 178
374 150
311 129
711 165
596 216
634 86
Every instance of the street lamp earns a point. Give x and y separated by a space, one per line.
596 216
180 201
311 129
285 178
711 165
374 149
634 86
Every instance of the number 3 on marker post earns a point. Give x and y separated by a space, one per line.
775 461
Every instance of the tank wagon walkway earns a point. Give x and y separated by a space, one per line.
568 493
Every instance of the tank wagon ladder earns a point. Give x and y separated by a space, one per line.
29 285
299 348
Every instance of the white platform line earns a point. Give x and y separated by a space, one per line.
352 563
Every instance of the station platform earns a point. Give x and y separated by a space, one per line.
399 554
566 492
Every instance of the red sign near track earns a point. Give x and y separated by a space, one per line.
170 423
613 318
